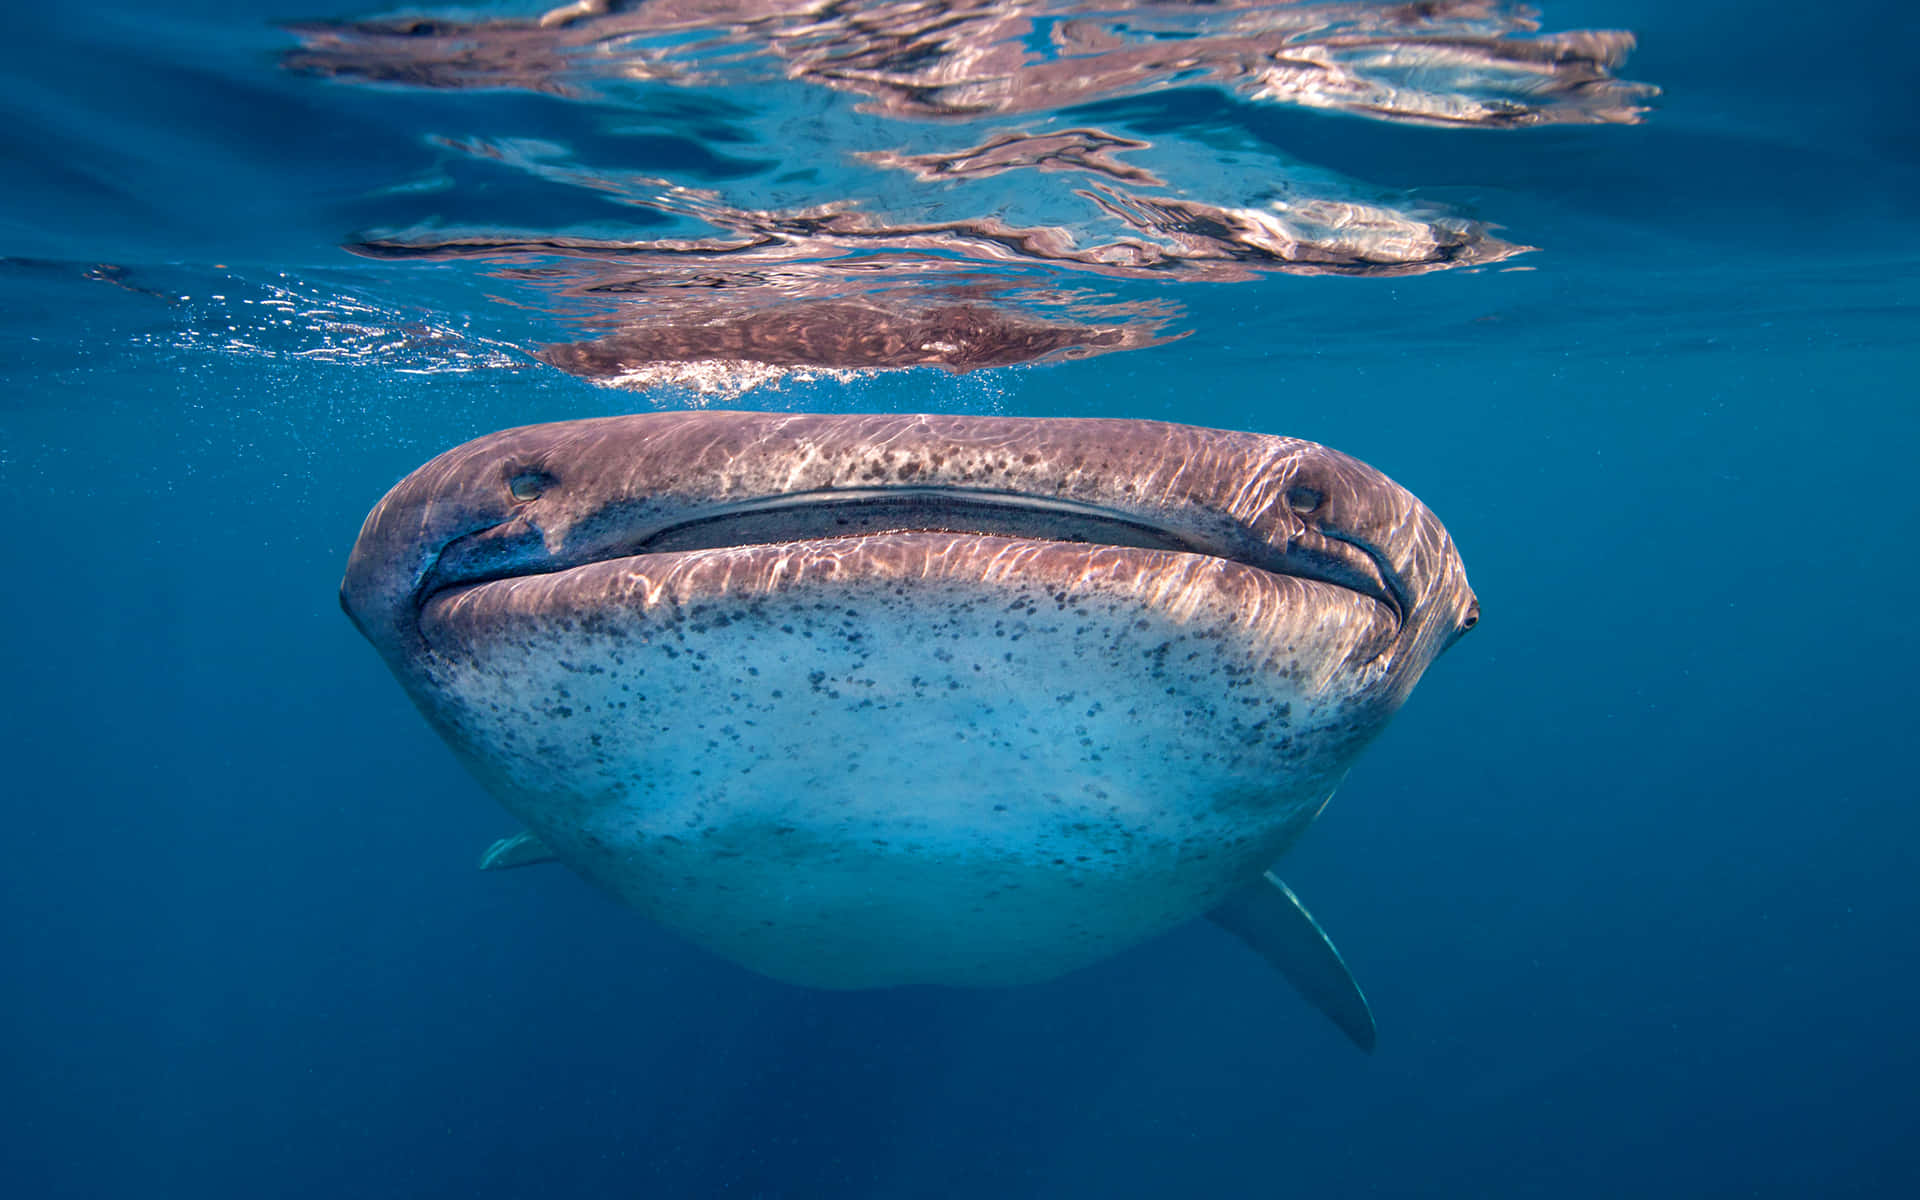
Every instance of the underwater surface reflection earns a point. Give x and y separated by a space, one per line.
880 186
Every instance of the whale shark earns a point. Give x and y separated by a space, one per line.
869 700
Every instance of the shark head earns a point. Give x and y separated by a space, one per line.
860 700
551 498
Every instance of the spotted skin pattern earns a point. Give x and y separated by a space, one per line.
916 753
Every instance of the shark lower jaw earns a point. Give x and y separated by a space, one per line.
861 738
994 538
805 755
931 574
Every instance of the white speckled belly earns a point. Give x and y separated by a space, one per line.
912 758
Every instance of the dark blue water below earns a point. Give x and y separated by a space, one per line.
1630 882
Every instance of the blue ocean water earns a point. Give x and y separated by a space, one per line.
1630 882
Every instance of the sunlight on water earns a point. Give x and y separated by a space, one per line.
292 321
919 184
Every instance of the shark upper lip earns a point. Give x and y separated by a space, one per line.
1338 559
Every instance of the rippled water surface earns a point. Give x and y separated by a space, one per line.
1624 291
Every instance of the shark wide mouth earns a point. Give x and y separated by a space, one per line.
810 516
841 513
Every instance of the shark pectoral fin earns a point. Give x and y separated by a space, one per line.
520 850
1270 918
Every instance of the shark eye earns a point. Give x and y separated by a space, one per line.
1303 499
529 485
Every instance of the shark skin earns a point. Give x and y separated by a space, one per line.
860 701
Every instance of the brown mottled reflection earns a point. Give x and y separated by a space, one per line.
1466 62
942 218
714 325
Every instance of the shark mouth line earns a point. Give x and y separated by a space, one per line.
1340 560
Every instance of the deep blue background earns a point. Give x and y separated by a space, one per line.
1630 882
